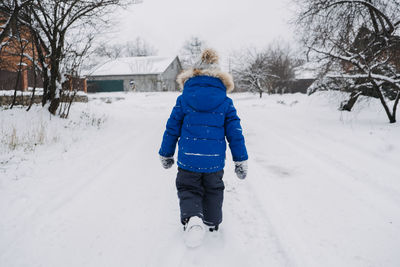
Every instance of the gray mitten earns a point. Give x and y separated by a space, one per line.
167 162
241 169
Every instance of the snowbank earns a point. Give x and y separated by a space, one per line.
24 135
38 91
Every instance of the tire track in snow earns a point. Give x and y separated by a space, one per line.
255 222
111 152
289 242
358 177
58 199
326 168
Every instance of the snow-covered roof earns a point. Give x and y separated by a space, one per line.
134 66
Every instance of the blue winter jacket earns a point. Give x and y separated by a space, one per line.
201 119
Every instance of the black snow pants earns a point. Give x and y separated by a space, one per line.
201 194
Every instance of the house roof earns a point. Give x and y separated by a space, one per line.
134 66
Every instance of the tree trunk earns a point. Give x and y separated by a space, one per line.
392 117
55 103
34 78
54 97
42 61
34 88
349 103
396 102
45 96
261 94
65 115
18 79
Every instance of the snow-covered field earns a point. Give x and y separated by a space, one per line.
323 187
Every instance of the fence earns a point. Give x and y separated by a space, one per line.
8 80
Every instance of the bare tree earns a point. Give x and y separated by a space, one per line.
359 41
76 52
139 48
35 76
267 70
191 50
251 72
50 23
282 62
105 50
53 20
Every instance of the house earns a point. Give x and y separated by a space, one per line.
305 76
140 74
10 59
377 53
386 49
18 73
294 86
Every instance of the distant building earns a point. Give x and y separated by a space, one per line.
305 76
140 74
300 85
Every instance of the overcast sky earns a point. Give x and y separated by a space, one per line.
225 25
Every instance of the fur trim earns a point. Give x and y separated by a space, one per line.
226 78
207 66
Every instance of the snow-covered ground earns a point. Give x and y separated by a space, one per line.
323 187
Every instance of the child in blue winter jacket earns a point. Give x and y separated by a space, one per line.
201 120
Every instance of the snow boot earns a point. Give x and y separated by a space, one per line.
194 232
213 228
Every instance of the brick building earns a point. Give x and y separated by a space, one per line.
10 57
10 62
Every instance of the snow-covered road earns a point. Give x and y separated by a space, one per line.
322 190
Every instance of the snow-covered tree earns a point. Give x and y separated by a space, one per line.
360 42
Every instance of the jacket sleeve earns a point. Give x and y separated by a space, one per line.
173 130
234 135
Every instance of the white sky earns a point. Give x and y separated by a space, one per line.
225 25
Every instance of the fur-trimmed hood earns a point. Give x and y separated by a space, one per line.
207 65
226 78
